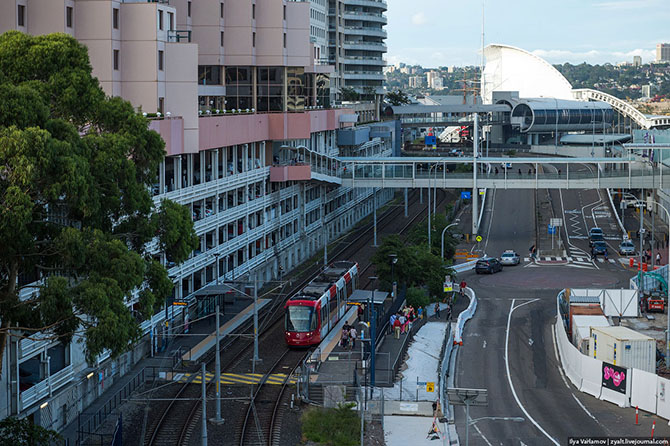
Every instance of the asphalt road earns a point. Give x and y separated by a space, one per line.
533 404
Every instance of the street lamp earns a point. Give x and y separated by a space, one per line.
457 221
394 260
429 171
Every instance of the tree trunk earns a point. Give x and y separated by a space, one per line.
5 324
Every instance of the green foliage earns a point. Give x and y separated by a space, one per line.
417 297
397 97
21 432
463 168
332 427
75 208
349 94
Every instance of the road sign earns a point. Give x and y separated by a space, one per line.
479 238
180 303
482 191
556 222
448 286
430 387
466 195
551 229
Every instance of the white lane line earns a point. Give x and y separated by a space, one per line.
584 407
509 375
558 361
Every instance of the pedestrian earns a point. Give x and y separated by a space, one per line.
403 323
519 172
531 251
352 337
345 336
437 309
361 312
528 171
496 171
397 327
448 312
392 322
420 312
559 172
658 258
462 286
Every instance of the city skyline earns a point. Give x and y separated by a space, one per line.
427 33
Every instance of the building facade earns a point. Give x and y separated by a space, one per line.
356 42
236 90
663 52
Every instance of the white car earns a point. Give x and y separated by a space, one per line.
510 257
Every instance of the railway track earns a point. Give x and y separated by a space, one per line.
176 421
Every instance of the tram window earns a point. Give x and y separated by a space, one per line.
349 287
333 306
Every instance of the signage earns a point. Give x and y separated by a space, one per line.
614 377
556 222
479 238
448 286
430 387
430 140
551 229
179 303
482 191
466 195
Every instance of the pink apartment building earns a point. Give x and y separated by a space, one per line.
251 139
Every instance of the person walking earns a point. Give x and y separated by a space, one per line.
462 286
352 337
392 319
658 258
396 327
345 336
448 312
403 323
437 309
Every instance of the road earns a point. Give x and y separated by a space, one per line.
533 404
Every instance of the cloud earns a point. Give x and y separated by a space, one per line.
594 56
419 19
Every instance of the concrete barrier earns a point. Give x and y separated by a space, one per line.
591 375
465 316
643 392
662 397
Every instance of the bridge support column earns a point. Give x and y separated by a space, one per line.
421 195
405 202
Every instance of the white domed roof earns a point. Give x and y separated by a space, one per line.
513 69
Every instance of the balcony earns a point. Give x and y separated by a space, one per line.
365 31
179 36
381 4
360 60
365 16
172 131
364 45
364 75
302 164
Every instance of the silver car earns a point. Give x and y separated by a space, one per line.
627 248
510 257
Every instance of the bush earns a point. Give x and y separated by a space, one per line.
417 297
332 427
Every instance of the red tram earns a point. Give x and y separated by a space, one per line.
315 310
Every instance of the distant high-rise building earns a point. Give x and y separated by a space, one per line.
416 81
356 44
637 61
663 52
318 30
646 91
434 80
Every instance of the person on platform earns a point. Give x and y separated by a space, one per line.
397 327
437 309
352 338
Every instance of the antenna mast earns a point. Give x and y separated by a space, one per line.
481 65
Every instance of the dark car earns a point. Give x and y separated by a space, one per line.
596 238
599 248
488 265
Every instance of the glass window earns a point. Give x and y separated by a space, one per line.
160 19
160 60
21 17
322 90
298 318
68 16
297 89
270 88
115 18
209 75
239 88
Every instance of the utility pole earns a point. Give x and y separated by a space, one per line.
204 405
475 191
217 365
256 358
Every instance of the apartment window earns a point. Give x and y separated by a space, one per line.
115 18
160 60
161 104
68 16
221 38
171 21
21 19
160 19
284 40
116 59
221 6
188 9
253 11
284 12
253 39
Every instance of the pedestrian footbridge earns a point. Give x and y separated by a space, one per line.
512 173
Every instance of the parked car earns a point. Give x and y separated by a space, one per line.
599 248
488 265
627 248
510 257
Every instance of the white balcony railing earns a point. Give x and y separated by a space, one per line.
46 387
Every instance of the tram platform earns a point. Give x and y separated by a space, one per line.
197 351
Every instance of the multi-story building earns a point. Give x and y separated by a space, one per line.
663 52
416 81
434 80
637 61
318 30
235 91
357 44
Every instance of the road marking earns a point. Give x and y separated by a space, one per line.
530 342
526 259
547 259
509 375
569 259
480 433
484 344
584 407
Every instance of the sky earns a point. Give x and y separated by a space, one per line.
436 33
